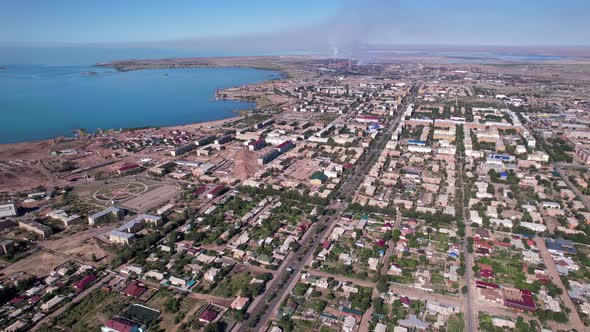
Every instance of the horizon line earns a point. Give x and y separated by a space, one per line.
166 44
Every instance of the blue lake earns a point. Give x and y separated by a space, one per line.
39 102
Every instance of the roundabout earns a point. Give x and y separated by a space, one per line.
119 191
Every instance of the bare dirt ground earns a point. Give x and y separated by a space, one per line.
18 160
207 124
27 151
54 252
246 164
81 245
24 165
302 169
14 179
39 264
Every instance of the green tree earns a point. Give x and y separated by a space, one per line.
382 285
218 326
286 324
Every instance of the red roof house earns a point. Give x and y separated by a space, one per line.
16 300
207 316
487 285
405 301
84 282
199 191
519 299
485 270
127 168
303 226
120 324
134 290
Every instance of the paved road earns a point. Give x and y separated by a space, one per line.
305 262
295 260
311 239
470 309
352 183
265 310
470 304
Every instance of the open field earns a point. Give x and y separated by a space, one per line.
170 306
82 245
53 252
246 164
93 311
151 199
40 264
302 169
132 193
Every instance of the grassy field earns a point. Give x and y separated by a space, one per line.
456 323
232 284
93 311
170 306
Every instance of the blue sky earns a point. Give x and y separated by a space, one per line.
148 20
298 24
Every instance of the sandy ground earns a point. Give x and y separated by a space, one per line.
21 169
39 264
27 150
54 252
19 178
302 170
80 245
246 164
206 124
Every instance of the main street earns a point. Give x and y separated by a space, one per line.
283 283
470 302
372 154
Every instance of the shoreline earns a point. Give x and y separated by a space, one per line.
193 125
254 62
276 63
283 73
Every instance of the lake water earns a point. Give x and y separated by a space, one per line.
39 102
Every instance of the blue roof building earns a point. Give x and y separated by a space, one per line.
561 246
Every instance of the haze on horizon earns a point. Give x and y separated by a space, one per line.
271 26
